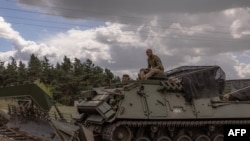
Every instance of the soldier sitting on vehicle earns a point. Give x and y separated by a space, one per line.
154 66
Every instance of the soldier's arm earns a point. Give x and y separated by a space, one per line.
149 66
158 63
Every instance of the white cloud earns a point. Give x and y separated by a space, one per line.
243 70
94 44
197 29
22 48
230 12
243 67
75 43
130 10
240 27
235 27
7 32
5 56
121 48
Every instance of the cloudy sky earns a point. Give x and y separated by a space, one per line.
116 33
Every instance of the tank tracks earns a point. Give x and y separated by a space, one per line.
109 130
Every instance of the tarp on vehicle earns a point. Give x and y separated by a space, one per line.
200 81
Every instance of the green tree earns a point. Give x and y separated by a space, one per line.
34 68
2 72
108 76
65 89
78 68
66 79
22 73
99 77
47 74
11 73
66 65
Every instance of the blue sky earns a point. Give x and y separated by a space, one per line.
34 26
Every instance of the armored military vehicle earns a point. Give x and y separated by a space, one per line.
183 104
161 109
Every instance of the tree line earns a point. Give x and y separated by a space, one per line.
66 79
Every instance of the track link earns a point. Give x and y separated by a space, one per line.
109 130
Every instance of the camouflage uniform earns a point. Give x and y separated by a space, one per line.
154 65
